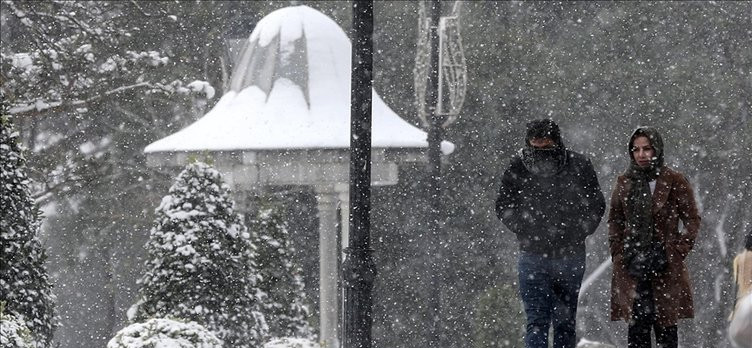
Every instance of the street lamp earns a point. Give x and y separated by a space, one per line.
440 86
359 269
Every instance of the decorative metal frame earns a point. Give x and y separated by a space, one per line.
422 63
453 73
452 85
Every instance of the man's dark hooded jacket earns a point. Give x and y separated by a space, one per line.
551 214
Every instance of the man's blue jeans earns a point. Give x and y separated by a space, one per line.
549 288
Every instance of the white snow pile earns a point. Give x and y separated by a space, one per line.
591 344
23 61
291 342
201 87
13 332
165 333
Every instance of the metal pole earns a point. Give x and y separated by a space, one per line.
435 135
358 269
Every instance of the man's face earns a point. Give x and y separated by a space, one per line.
542 143
642 151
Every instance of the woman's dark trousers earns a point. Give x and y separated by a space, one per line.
643 315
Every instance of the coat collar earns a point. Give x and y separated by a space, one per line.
662 189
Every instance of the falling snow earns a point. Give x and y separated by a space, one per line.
97 89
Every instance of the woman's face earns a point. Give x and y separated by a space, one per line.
642 151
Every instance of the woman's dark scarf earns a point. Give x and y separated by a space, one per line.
644 254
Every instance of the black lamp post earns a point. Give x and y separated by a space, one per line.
435 135
359 270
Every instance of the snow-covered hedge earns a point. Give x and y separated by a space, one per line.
162 332
13 332
291 342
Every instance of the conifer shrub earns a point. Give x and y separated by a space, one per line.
201 264
24 284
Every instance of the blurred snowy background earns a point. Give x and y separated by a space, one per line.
90 84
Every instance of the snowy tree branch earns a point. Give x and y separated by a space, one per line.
38 108
141 9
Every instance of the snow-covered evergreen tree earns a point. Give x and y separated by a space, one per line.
285 308
202 262
13 331
163 332
24 286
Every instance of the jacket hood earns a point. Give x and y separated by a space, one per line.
544 128
656 141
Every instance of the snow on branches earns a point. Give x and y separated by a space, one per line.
202 262
281 279
24 287
163 332
288 342
77 57
13 332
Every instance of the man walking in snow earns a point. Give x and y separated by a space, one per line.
551 200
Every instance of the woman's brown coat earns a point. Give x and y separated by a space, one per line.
673 199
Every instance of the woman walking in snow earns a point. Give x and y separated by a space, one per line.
650 287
